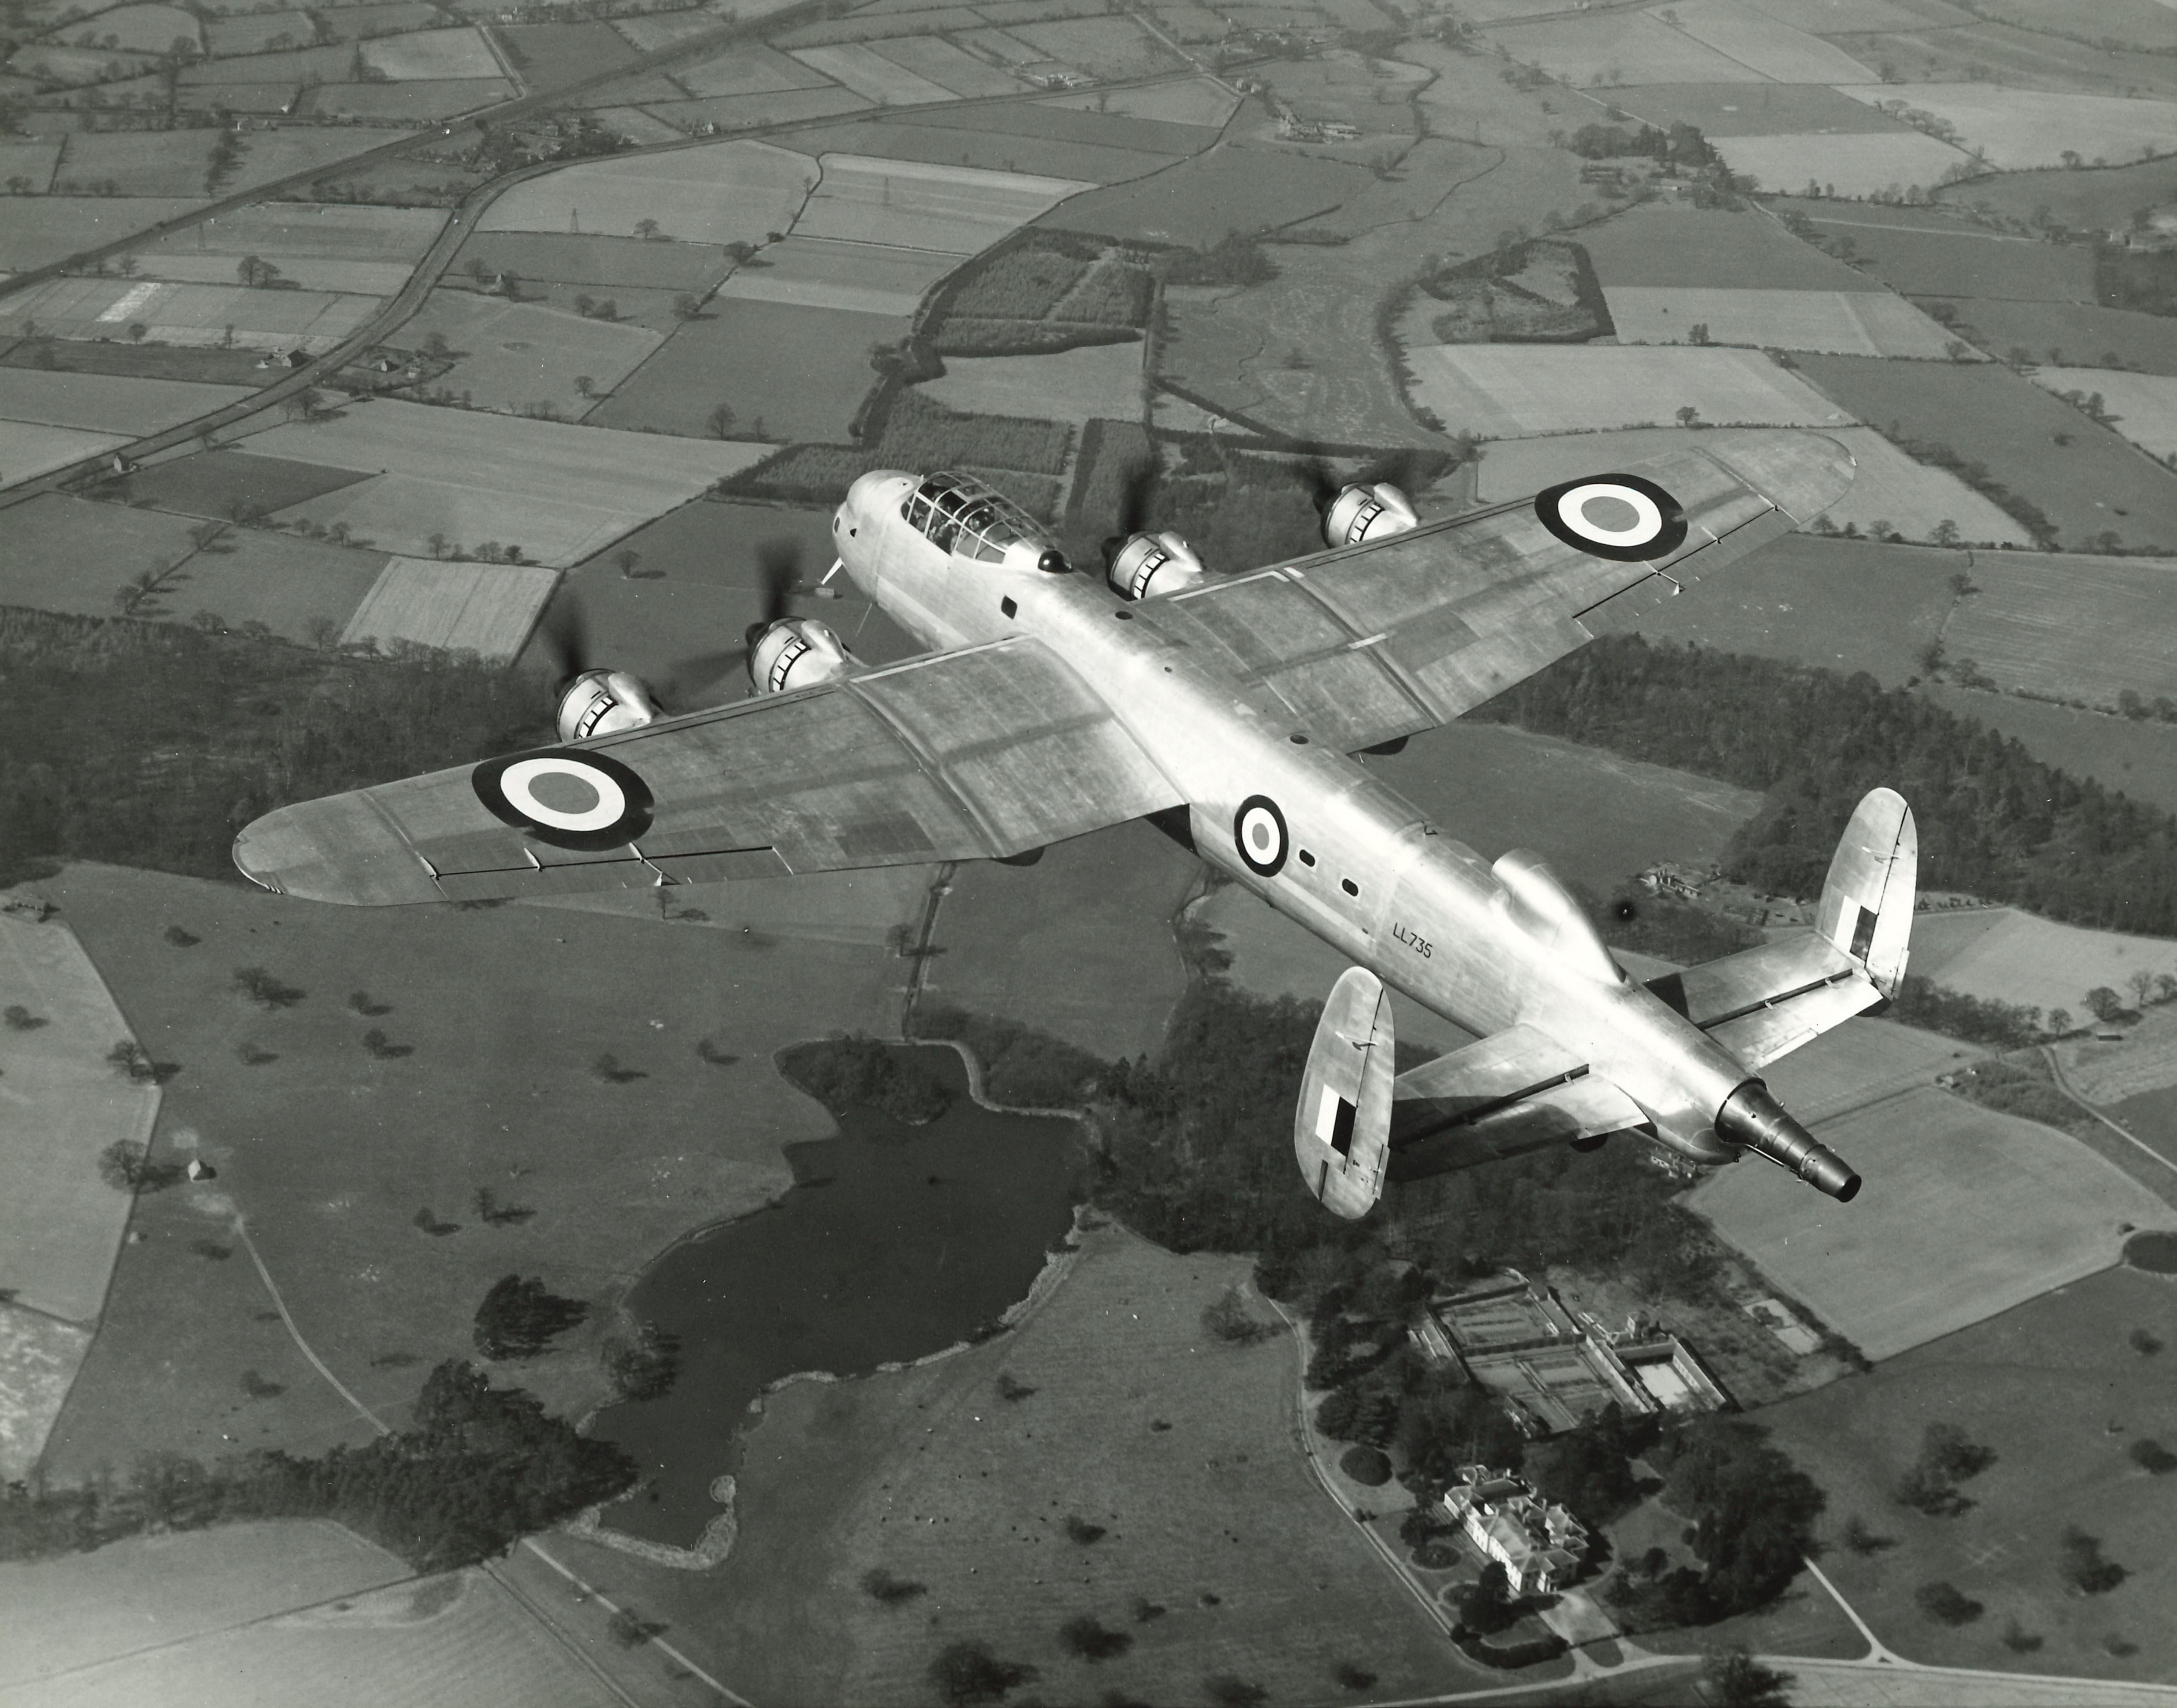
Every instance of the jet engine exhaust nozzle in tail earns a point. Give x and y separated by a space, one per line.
1751 1117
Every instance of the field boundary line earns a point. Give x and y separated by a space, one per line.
522 1603
2063 1085
604 1601
241 1232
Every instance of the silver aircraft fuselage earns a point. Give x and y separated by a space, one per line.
1362 868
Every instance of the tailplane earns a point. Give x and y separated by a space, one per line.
1341 1129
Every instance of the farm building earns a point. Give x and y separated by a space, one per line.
1540 1543
1551 1369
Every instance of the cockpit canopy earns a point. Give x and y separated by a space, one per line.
957 513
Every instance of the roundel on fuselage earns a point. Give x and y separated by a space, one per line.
1619 516
566 797
1259 832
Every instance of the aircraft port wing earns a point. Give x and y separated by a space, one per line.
986 752
1400 634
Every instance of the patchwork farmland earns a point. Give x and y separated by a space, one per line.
1503 391
1844 323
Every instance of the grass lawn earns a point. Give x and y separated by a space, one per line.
2095 483
800 373
1179 1449
330 1154
1079 944
2053 1388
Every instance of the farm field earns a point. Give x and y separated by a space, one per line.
648 32
2018 957
2094 485
2014 59
559 492
2015 1383
2071 331
46 63
137 28
2138 758
104 402
41 230
787 373
1657 245
2029 1209
278 231
1205 199
1721 110
1850 165
1927 258
329 1152
1073 385
50 539
551 55
1765 45
28 449
1621 48
2021 127
489 609
818 273
1888 486
1850 323
923 137
222 315
1505 390
2143 406
60 1224
2096 199
1373 95
1195 102
2143 1062
1101 907
430 54
516 356
911 204
567 259
226 38
39 1357
1848 1068
179 1586
2071 627
408 1646
438 98
739 112
212 484
139 163
635 125
342 278
732 192
747 68
297 588
1110 49
870 75
31 160
1215 1518
1090 129
292 67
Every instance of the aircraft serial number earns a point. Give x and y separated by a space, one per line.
1419 945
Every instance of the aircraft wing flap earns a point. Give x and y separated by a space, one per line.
1397 635
986 752
1496 1069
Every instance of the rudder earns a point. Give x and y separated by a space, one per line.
1866 910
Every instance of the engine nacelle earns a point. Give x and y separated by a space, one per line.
597 702
1361 513
797 652
1147 564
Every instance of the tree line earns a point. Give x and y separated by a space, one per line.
478 1468
151 744
1994 821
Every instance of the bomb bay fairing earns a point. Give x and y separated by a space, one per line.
1227 709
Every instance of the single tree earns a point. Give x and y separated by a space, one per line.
720 422
647 229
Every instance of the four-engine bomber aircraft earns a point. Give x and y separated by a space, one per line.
1053 703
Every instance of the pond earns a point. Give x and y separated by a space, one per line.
894 1242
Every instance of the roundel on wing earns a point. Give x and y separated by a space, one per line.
1259 831
566 797
1620 516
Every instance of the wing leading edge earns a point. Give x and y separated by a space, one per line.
982 753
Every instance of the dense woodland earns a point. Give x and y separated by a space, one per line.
1994 821
478 1467
151 744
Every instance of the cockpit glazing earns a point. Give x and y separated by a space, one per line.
957 513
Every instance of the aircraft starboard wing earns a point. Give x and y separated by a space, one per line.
984 752
1516 1091
1398 634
